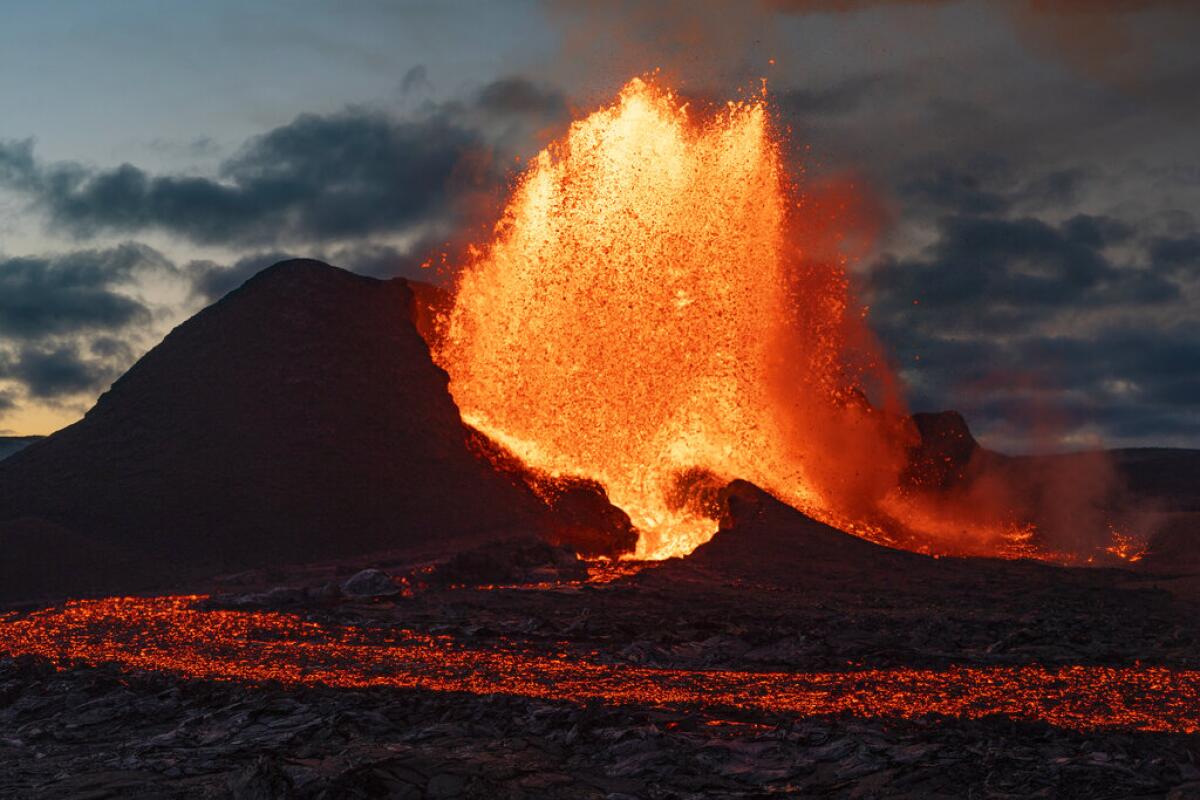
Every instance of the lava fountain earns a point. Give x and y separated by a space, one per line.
659 311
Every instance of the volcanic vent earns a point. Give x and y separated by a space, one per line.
660 311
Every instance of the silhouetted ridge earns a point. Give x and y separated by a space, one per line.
299 417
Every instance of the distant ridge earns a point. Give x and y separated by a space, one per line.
12 444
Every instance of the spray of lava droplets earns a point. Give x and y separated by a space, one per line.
656 312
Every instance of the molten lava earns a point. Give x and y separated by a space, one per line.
660 311
173 635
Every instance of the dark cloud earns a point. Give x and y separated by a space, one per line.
1132 383
949 188
1028 390
66 328
1178 255
52 372
1056 189
73 293
522 97
843 97
415 81
319 178
111 348
990 274
1042 326
987 184
67 322
1026 325
212 281
385 261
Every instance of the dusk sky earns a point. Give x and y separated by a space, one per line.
1033 169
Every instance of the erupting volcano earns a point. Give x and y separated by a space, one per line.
663 310
829 440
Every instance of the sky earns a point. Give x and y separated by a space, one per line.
1029 172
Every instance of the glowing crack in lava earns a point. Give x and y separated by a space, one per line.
170 634
656 312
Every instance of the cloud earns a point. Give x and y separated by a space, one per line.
416 81
947 188
843 97
520 96
59 370
198 147
1125 381
987 184
1179 255
211 281
76 292
68 327
319 178
68 322
18 169
990 274
1017 321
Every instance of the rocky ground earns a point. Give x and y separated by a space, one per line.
93 731
772 592
98 733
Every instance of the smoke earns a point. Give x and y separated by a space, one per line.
700 42
1118 42
694 43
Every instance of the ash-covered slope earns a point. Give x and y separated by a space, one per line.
300 417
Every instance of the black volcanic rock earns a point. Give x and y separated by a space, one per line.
298 418
584 519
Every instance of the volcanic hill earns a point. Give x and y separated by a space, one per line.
301 417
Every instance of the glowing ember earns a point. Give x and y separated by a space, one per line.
659 311
1126 547
170 634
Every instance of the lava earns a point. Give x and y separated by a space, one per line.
175 635
662 311
1126 547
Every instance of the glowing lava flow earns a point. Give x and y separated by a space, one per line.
656 313
170 634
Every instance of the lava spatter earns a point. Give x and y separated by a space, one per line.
652 306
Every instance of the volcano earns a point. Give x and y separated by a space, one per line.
298 418
827 596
